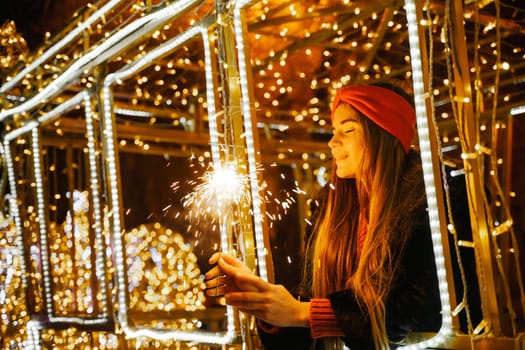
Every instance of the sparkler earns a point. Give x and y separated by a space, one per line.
222 188
222 197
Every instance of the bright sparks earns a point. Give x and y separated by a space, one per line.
222 188
224 192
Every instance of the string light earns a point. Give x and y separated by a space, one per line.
426 158
114 44
517 110
78 30
13 206
122 74
250 146
95 196
42 222
32 329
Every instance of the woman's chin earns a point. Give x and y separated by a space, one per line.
341 173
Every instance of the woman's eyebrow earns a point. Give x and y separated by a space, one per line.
348 120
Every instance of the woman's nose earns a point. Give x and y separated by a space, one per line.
332 142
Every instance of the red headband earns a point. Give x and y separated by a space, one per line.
387 109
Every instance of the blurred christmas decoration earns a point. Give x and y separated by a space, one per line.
13 47
70 254
163 274
13 307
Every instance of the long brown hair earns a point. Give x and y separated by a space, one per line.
377 195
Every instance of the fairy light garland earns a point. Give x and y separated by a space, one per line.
463 305
488 252
124 73
100 265
114 44
33 128
215 149
13 205
507 225
210 96
517 110
33 335
426 157
15 212
10 83
250 146
110 154
32 328
42 222
216 156
95 197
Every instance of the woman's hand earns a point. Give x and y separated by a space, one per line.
269 302
252 295
221 278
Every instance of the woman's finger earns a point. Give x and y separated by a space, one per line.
213 259
253 280
248 300
218 291
212 273
227 268
214 282
231 260
247 307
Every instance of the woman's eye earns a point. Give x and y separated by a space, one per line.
348 131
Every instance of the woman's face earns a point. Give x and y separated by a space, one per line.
347 143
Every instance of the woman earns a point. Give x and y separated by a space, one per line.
370 276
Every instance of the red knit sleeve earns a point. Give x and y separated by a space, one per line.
322 319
